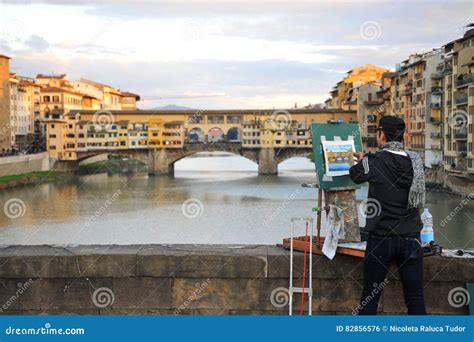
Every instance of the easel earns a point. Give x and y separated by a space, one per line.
330 197
339 191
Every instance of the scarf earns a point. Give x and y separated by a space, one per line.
416 196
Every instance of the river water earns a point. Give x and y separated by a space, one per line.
211 200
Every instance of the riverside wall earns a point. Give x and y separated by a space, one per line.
199 280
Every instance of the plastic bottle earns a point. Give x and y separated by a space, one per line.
427 233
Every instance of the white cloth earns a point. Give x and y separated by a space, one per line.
336 231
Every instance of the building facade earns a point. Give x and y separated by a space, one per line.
81 131
5 126
457 74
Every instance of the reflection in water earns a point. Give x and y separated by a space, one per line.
238 206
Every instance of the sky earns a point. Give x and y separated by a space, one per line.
222 54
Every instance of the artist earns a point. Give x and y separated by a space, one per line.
396 194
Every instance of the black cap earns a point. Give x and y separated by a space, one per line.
391 124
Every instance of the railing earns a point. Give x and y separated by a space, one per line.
435 105
465 80
418 74
436 147
435 135
435 120
436 90
437 75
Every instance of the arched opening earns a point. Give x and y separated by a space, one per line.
215 135
234 134
297 164
111 163
217 165
196 135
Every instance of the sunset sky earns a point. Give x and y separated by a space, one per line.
216 54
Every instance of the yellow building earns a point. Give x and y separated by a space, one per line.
129 100
345 93
5 128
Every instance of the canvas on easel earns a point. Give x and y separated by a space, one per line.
338 156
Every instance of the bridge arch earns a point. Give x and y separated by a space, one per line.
215 134
196 135
234 134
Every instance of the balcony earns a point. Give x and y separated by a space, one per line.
448 70
435 120
436 90
464 80
462 100
460 134
435 135
436 147
435 105
418 75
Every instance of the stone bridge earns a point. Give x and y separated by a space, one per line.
161 161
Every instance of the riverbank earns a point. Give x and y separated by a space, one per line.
31 178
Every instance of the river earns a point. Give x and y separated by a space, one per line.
211 200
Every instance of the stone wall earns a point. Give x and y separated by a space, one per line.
202 280
461 185
16 165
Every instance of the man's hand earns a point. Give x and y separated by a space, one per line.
358 156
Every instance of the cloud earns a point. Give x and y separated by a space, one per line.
260 54
37 43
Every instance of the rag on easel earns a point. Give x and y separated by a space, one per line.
336 231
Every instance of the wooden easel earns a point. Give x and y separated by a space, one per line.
299 242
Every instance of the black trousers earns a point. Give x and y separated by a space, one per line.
407 252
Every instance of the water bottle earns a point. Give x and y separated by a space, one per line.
427 233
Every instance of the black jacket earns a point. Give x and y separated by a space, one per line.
390 176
